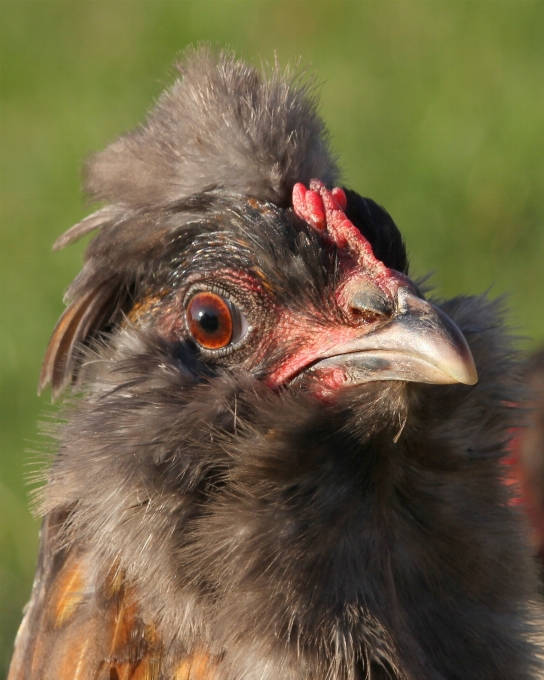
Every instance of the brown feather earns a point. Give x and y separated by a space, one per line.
68 592
74 662
76 631
84 317
196 667
17 666
101 218
125 627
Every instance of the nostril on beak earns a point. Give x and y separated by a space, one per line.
369 305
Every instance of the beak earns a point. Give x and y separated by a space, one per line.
419 344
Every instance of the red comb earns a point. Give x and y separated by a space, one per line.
323 210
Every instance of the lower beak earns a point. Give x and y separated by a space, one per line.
419 344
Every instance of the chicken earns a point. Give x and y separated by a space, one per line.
282 461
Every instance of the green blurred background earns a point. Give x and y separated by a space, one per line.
435 108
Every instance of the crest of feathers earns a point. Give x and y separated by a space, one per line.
222 126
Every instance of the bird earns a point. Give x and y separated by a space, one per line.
279 457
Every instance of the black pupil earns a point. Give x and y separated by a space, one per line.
208 320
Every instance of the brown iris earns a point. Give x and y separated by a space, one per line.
209 318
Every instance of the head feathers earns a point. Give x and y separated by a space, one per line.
222 125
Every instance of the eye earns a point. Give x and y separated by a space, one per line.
214 322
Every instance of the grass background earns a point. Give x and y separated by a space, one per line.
435 108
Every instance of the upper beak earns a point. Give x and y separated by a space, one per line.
419 344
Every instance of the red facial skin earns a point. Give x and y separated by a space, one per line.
313 340
324 211
307 337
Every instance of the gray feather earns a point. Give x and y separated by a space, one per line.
222 125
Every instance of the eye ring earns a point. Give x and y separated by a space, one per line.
213 321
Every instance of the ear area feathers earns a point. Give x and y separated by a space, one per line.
83 319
